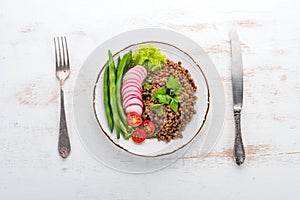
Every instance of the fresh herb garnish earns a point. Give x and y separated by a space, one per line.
174 105
164 98
174 85
158 108
167 96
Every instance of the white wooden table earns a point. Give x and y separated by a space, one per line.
30 167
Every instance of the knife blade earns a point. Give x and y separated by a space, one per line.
237 93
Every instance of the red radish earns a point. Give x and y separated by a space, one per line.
133 75
132 97
134 108
128 87
142 68
137 108
133 101
131 81
142 78
133 91
129 73
133 105
138 91
128 82
136 71
139 71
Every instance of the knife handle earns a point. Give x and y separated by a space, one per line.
239 152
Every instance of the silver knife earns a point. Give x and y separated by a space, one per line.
237 91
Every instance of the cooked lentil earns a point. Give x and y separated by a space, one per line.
171 125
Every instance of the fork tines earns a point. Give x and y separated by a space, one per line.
61 52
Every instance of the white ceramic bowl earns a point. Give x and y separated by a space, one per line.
153 147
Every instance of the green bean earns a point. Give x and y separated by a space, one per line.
118 130
106 99
112 85
112 88
120 71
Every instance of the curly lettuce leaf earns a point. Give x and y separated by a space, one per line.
150 57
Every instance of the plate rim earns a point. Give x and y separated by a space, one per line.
181 146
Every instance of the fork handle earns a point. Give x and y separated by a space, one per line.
64 146
239 152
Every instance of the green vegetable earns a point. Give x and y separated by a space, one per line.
106 99
164 99
113 101
158 107
162 91
122 64
174 85
174 105
118 131
150 57
167 96
112 86
177 99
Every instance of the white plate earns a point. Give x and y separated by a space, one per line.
97 143
153 147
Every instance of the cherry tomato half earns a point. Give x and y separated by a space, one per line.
149 127
133 119
139 135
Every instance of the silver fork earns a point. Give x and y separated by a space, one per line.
62 73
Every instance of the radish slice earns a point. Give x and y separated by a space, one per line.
131 85
131 82
127 84
134 101
134 81
134 104
132 96
134 108
136 71
133 75
132 93
130 74
135 90
132 90
140 70
130 101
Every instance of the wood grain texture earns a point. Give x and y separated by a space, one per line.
30 167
